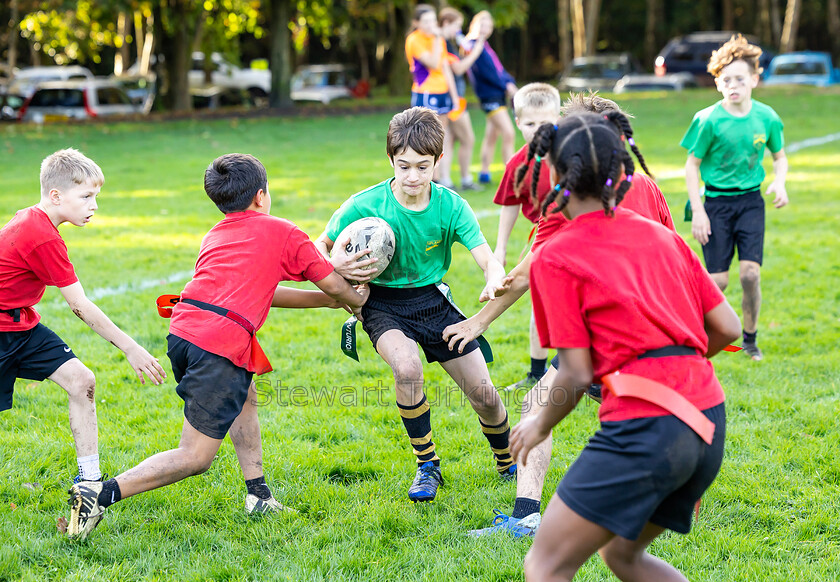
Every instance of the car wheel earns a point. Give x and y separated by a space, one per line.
259 96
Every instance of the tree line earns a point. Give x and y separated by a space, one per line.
535 38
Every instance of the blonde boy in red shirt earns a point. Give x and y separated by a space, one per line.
212 342
32 256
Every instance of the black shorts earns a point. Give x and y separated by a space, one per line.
213 388
421 313
644 470
33 354
735 221
493 104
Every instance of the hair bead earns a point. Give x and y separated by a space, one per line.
538 158
566 193
557 187
629 178
609 182
631 142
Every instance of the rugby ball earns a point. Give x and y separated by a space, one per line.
370 233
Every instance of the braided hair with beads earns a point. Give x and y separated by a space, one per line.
587 152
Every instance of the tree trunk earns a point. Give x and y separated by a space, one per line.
652 23
776 22
524 65
563 33
399 76
121 57
14 34
578 28
834 25
176 51
764 27
593 18
280 59
791 27
728 17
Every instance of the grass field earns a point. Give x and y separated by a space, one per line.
772 514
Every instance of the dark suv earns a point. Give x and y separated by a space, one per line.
691 53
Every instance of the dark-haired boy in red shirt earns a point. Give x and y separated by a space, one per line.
32 256
212 342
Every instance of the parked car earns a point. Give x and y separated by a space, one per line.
322 83
225 74
597 73
63 100
9 105
139 88
690 54
669 82
26 80
802 68
212 97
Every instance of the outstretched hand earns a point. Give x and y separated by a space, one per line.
145 363
461 333
525 436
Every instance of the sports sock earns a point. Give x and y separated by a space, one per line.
524 506
110 493
499 438
418 424
538 367
89 468
749 338
258 487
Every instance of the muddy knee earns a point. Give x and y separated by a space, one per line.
82 385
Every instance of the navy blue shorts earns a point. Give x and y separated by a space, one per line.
440 103
644 470
33 354
736 221
493 104
213 388
421 313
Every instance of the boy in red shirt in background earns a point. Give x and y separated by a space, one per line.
32 256
212 345
615 292
533 105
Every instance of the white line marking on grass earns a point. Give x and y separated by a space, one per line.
789 149
97 294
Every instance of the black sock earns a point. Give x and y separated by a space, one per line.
538 367
110 493
258 487
417 420
524 506
749 338
499 438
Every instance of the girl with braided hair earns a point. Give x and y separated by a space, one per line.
615 292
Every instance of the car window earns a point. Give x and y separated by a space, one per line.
58 98
112 96
682 53
801 68
198 65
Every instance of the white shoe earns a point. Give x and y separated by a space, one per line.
85 511
254 504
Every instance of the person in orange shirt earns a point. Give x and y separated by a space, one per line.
434 86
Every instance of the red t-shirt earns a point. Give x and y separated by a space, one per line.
622 286
644 197
240 263
507 195
32 256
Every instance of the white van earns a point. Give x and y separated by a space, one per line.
26 80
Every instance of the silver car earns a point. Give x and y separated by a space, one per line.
64 100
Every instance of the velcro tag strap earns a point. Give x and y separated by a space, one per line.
165 303
633 386
483 344
348 338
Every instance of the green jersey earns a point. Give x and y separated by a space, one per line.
731 148
424 238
